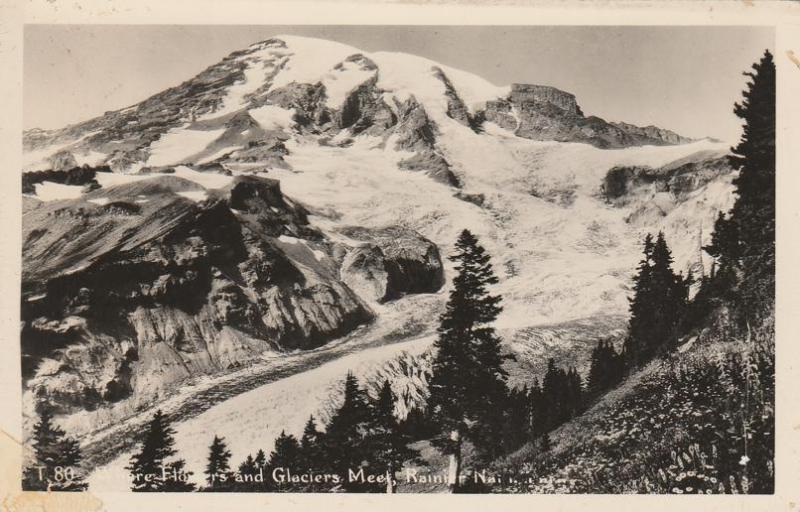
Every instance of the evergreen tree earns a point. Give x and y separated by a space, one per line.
218 472
344 447
309 446
516 430
177 477
606 370
743 242
387 445
260 459
468 382
56 461
574 398
246 476
149 468
657 306
555 396
537 411
285 455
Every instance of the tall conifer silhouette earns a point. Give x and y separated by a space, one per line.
468 383
744 240
151 471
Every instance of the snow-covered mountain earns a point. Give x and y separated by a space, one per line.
301 190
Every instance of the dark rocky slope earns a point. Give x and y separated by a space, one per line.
133 296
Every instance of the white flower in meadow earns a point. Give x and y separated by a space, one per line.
744 460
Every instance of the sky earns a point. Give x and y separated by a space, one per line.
681 78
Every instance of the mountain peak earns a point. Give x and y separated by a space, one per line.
289 84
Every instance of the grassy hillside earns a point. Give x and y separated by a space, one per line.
699 421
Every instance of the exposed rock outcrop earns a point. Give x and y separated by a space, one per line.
391 262
545 113
624 183
528 94
455 105
365 111
500 112
417 133
130 298
308 102
62 161
76 176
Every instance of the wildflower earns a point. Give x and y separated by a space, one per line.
690 473
689 489
744 460
676 490
713 480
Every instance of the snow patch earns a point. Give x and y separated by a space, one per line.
289 239
49 191
343 79
271 117
111 179
178 144
310 60
209 180
194 195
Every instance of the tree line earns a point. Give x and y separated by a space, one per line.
359 451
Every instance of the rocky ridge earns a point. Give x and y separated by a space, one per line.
134 288
539 112
231 107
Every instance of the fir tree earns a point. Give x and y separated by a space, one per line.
246 476
309 446
285 455
574 395
310 453
516 430
149 468
388 446
657 306
218 472
260 459
468 382
606 368
343 447
176 479
743 242
56 462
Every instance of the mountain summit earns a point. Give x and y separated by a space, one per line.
239 110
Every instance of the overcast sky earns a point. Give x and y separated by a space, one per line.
682 78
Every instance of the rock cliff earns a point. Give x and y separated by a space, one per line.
132 289
540 112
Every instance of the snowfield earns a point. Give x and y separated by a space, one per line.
557 261
49 191
178 144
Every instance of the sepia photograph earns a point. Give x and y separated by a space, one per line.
398 259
